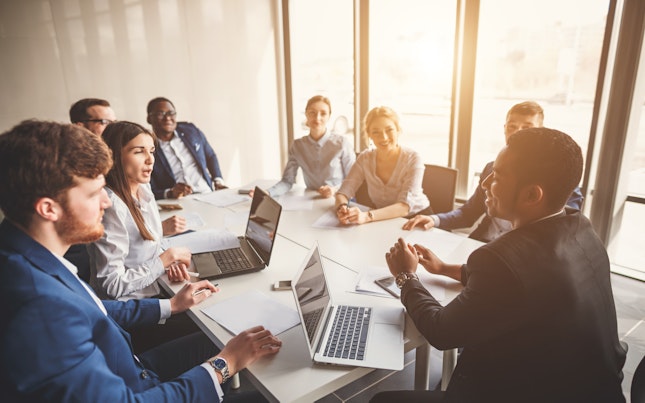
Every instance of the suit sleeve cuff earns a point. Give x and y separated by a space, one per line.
211 372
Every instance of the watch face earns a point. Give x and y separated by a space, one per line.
219 363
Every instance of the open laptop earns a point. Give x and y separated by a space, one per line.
378 341
254 252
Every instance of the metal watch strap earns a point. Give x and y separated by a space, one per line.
403 278
223 370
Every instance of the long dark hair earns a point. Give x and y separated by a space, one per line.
117 135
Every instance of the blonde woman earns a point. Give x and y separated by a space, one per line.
393 174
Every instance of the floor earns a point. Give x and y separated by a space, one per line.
629 295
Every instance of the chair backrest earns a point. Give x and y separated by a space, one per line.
439 185
638 383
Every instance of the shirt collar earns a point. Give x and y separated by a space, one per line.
321 141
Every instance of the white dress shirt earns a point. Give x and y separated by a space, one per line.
124 265
183 165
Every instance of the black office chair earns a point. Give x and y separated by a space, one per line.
638 383
439 185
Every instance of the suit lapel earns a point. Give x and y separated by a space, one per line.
41 258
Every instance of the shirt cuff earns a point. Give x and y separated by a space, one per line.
436 220
164 309
211 372
165 193
219 181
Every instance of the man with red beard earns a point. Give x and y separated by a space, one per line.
59 341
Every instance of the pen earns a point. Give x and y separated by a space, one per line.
202 290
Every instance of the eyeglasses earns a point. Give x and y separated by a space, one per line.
162 115
103 122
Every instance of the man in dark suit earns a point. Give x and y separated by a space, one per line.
536 318
59 341
185 162
521 116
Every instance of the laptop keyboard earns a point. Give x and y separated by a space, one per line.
311 321
348 336
230 260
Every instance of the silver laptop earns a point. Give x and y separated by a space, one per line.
376 333
254 252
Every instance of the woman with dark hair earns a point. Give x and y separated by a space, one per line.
126 262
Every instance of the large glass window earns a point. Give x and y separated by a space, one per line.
627 253
322 60
548 53
411 58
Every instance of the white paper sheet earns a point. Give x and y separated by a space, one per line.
251 309
365 281
203 241
222 198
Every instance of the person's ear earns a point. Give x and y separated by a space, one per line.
148 120
534 194
48 208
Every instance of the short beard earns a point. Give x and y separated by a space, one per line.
72 231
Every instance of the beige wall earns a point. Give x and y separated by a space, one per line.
215 59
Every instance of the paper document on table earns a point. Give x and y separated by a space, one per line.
222 198
203 241
250 309
439 286
193 220
330 220
291 202
365 281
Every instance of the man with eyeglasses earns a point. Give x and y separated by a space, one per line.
93 114
185 162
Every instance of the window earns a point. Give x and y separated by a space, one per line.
548 52
411 59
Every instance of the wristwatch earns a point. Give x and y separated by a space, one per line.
370 215
220 365
403 278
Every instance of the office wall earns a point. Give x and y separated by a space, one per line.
215 59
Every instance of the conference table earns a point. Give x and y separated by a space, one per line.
290 375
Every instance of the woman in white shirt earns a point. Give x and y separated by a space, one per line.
325 158
393 174
126 262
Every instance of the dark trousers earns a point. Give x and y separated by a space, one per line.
409 396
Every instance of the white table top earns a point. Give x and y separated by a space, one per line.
291 375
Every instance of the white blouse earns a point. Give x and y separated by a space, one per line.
124 265
405 184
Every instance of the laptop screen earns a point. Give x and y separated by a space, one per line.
263 223
312 295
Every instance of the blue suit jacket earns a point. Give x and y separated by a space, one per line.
57 345
162 176
475 207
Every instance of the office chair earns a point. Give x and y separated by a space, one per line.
362 197
638 383
439 185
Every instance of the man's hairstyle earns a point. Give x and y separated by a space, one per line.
527 108
78 111
43 159
549 158
378 112
318 98
155 101
117 135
